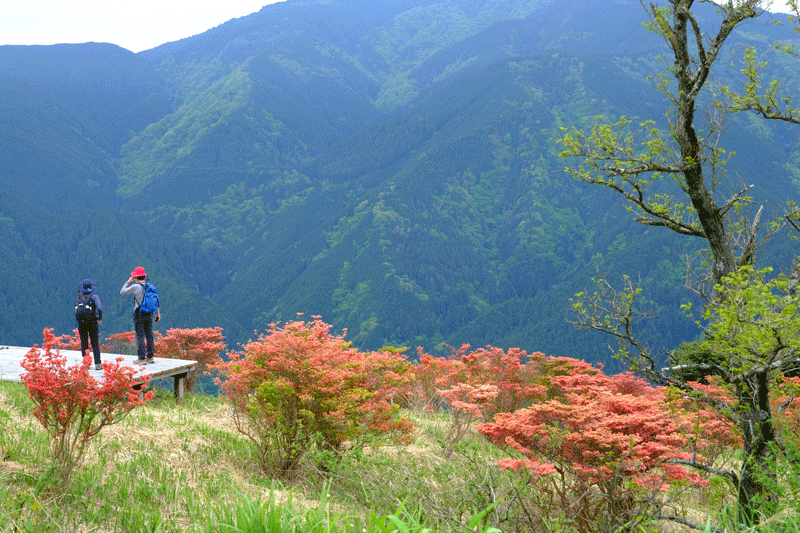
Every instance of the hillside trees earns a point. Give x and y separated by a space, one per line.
672 177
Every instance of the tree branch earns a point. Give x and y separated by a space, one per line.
688 523
729 474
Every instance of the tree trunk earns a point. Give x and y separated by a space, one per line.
690 81
758 476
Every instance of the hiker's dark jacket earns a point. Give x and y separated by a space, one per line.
87 287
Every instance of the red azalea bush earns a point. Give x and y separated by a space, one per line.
787 409
198 344
73 342
602 446
122 343
421 392
488 381
71 405
476 385
298 387
125 342
711 435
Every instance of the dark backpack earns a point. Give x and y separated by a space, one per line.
84 309
150 300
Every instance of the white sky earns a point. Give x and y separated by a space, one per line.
777 6
133 24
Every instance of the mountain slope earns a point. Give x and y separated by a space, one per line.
66 110
391 166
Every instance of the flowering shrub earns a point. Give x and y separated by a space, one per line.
125 342
298 386
488 381
199 344
520 376
421 392
71 405
73 342
787 409
711 435
121 343
476 385
602 445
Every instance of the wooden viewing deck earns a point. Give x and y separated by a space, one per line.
178 369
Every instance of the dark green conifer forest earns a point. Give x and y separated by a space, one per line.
392 167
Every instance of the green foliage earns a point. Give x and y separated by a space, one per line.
693 356
755 324
771 101
250 516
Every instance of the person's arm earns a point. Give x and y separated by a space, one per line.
135 288
99 308
128 288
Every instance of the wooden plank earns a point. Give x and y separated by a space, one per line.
11 369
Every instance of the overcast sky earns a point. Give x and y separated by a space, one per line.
133 24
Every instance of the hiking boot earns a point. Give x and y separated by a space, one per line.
98 367
151 360
141 361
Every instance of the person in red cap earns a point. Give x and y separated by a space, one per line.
142 320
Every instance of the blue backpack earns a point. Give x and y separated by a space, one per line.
150 301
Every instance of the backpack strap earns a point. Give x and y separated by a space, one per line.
144 290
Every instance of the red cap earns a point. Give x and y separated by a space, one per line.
138 272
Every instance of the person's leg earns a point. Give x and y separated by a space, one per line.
94 335
148 332
138 324
83 331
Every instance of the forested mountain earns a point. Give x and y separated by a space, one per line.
391 166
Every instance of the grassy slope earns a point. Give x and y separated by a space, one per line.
183 467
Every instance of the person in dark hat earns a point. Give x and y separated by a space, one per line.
89 313
142 320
